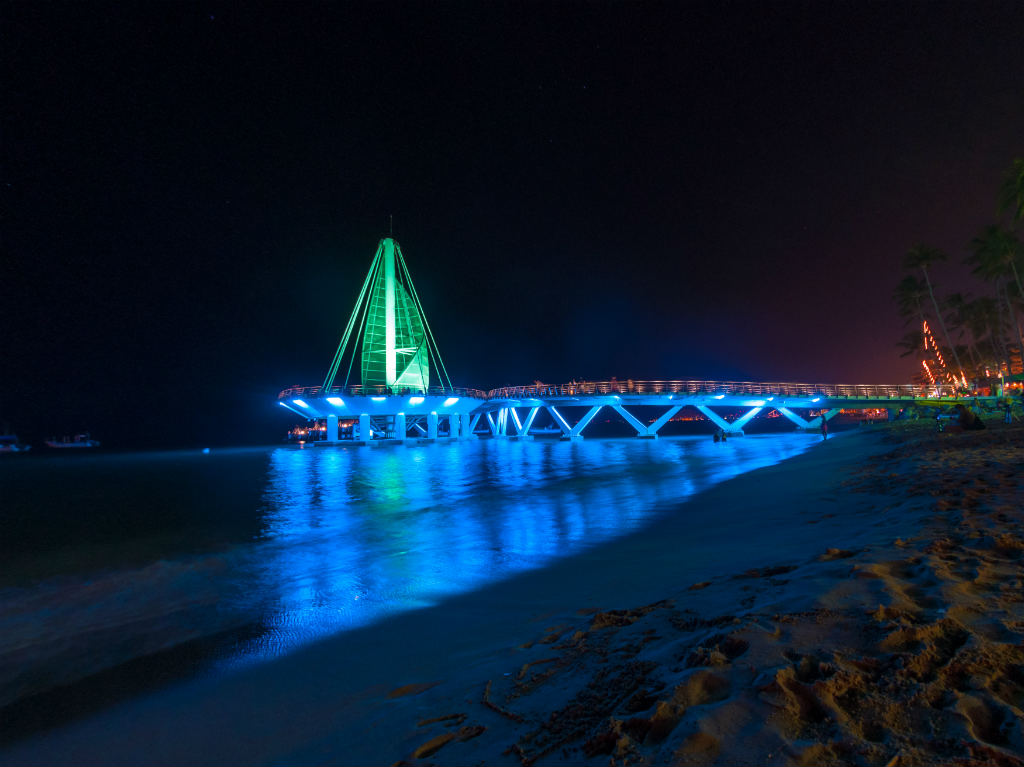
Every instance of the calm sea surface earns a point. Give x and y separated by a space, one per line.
176 564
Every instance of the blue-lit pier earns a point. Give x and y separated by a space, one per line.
388 333
512 411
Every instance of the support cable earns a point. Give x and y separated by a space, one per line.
359 335
340 353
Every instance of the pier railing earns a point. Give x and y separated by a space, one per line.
614 386
312 392
768 389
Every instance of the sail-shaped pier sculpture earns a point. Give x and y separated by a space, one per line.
389 334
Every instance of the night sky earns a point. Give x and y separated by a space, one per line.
192 193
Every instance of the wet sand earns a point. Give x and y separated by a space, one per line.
874 615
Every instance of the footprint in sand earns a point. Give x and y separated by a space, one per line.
986 721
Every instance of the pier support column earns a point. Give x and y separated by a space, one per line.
654 428
400 426
454 422
800 422
812 425
431 425
718 421
520 432
577 430
332 428
560 422
364 429
472 426
528 421
816 423
632 420
744 419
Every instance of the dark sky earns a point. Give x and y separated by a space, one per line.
191 193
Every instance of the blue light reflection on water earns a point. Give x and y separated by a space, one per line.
351 535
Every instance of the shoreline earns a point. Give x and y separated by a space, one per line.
625 653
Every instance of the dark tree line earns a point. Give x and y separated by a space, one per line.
978 337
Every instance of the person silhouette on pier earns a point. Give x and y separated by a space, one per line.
824 427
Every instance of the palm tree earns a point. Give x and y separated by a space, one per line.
912 341
994 256
1011 195
909 295
956 305
919 257
984 317
997 252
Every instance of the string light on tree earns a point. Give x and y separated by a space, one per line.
929 343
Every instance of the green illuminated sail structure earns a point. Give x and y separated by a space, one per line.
395 344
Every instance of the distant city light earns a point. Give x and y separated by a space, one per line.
336 401
300 403
450 401
415 400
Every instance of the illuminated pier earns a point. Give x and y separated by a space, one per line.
396 400
389 334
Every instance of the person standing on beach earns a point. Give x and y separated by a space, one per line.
824 427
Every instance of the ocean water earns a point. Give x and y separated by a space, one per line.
123 572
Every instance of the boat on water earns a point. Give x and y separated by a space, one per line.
9 444
78 441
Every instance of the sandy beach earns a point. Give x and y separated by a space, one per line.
875 615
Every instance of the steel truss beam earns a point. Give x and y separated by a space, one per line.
643 430
655 427
515 419
575 432
744 419
814 423
528 423
559 421
632 420
717 420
